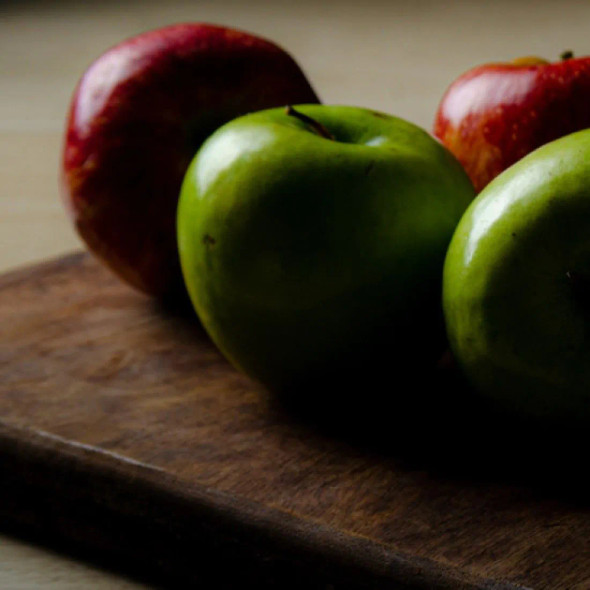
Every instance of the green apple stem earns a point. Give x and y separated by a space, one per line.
315 125
567 55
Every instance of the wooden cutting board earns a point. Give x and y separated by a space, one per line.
125 435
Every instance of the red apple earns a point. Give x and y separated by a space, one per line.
138 115
495 114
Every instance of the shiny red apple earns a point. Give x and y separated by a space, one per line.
495 114
138 115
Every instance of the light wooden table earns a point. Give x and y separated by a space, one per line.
396 56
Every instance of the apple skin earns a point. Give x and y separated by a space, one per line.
516 290
495 114
315 263
137 118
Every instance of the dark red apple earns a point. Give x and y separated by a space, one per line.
137 118
495 114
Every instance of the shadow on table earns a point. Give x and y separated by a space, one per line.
435 422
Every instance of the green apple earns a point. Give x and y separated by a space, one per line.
516 291
312 242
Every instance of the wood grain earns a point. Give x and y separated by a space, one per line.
123 430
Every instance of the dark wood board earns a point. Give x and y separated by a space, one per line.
124 432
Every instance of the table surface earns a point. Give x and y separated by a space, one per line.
396 56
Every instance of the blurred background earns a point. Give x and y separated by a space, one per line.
397 56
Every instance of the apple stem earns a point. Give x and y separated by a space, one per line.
567 55
315 125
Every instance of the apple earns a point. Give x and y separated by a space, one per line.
495 114
312 241
137 118
516 290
